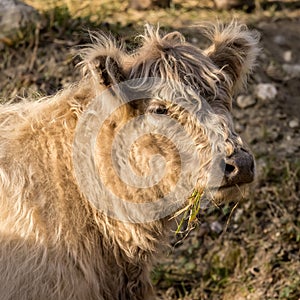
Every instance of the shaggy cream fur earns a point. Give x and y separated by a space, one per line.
54 243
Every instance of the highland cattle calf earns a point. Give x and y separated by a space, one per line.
90 177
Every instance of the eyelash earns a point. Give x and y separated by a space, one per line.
158 110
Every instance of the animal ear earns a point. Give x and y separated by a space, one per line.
103 60
234 49
109 70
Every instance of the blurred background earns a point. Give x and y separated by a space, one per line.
251 251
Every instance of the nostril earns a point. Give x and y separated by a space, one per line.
229 169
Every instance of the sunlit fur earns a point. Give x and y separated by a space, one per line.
54 244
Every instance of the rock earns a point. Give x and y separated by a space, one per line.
244 101
275 72
292 70
15 15
238 214
216 227
281 115
287 55
265 91
294 123
280 40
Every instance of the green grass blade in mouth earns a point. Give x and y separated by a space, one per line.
193 208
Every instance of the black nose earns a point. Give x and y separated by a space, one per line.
239 168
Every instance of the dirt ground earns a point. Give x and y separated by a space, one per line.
253 251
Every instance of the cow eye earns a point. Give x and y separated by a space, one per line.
160 110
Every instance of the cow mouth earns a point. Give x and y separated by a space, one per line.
226 187
222 187
226 193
